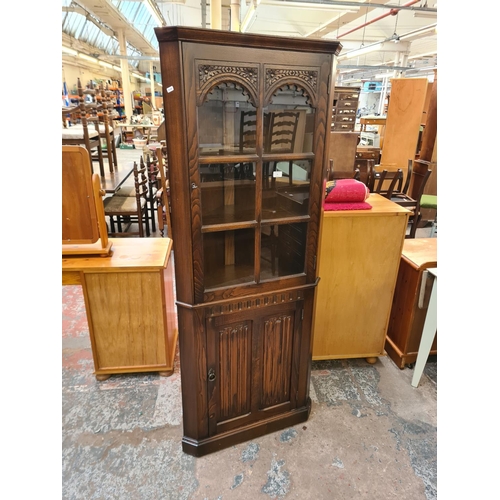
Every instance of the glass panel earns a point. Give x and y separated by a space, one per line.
288 123
285 190
227 192
283 250
228 257
226 122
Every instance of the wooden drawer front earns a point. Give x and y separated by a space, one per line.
345 119
343 126
346 111
348 96
346 105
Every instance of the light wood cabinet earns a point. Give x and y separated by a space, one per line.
246 120
359 253
129 302
411 300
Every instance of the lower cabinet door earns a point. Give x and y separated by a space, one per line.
253 365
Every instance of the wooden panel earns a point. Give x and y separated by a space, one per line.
79 217
234 371
343 150
404 118
277 357
126 319
358 264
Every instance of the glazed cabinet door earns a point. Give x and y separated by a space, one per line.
256 132
252 366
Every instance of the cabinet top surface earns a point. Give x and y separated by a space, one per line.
380 206
421 253
220 37
125 254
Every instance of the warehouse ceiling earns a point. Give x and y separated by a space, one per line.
378 37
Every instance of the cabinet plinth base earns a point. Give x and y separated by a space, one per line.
221 441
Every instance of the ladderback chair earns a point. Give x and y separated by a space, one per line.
419 177
163 194
81 134
123 211
105 125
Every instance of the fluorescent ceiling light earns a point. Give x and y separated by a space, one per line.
425 14
419 32
117 68
106 65
384 75
69 51
386 46
88 58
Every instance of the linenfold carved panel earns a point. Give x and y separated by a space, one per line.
277 360
235 350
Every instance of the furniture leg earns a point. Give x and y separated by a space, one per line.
428 333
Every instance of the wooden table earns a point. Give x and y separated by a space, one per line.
407 315
112 181
358 261
146 129
129 301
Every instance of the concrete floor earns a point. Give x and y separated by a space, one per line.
371 435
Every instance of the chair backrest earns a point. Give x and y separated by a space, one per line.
419 177
282 131
408 176
248 130
395 178
164 189
84 228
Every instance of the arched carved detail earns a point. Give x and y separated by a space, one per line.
301 79
244 77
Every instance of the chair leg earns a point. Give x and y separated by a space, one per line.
113 150
146 220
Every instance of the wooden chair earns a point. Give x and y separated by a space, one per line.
163 194
395 179
84 229
412 200
105 127
127 210
81 135
153 176
342 174
280 138
366 173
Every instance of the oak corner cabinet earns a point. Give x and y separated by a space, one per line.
246 127
358 261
